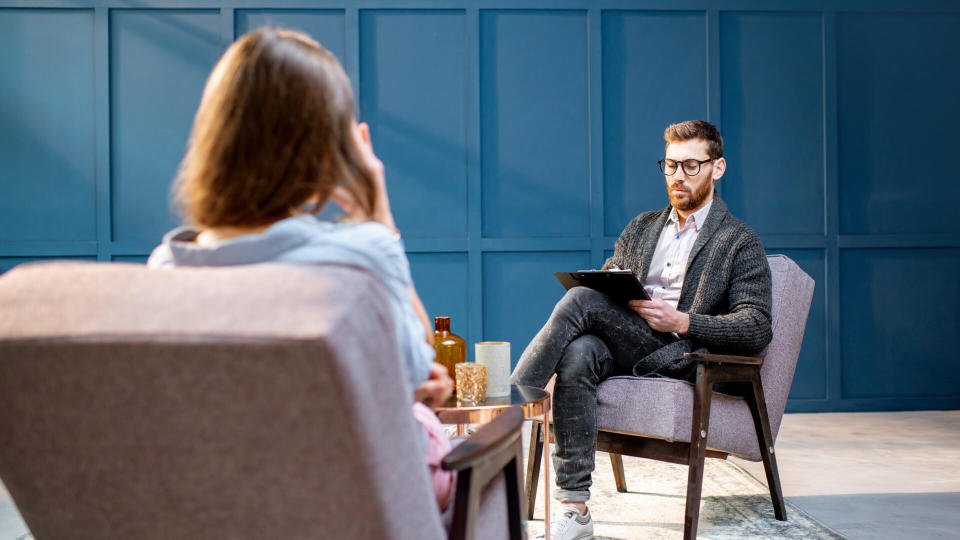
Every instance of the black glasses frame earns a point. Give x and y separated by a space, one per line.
687 164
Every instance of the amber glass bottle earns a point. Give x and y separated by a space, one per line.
451 348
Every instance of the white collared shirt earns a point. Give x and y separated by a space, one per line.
669 264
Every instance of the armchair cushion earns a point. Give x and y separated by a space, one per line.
663 409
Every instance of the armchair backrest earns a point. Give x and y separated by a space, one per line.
244 402
792 294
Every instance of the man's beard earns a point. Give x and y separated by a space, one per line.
694 198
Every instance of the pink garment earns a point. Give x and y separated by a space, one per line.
438 446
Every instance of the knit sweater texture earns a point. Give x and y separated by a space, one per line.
726 289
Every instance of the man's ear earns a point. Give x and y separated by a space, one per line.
719 167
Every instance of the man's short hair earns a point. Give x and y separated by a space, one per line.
696 129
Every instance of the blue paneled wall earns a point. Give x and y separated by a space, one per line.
520 137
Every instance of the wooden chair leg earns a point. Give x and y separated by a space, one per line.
698 452
534 458
515 501
761 422
465 515
616 460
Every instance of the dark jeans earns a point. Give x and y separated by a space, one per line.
587 339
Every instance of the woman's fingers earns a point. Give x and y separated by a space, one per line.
365 134
381 209
366 148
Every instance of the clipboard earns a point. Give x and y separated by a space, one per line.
621 285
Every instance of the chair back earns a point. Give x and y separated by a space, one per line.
792 293
262 401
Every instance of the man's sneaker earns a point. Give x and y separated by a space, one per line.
568 524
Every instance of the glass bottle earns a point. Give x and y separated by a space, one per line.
451 348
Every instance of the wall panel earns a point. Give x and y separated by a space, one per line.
771 75
898 108
519 138
654 73
413 95
533 116
896 308
8 263
519 292
441 281
47 169
324 25
159 61
129 259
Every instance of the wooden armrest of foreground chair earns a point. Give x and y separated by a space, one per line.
492 451
260 401
657 418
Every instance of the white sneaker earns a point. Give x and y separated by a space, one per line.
568 524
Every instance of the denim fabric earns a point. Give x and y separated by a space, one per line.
587 339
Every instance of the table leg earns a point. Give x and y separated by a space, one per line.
461 430
547 486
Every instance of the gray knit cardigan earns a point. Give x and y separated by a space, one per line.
726 289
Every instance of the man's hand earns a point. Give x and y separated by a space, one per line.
661 316
436 389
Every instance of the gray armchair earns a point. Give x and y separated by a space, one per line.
658 418
244 402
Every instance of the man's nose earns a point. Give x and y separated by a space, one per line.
679 171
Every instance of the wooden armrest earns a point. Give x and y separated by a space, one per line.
723 359
486 440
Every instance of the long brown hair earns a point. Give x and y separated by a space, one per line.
273 130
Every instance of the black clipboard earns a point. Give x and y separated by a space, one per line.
621 285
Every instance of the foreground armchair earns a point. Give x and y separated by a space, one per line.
260 401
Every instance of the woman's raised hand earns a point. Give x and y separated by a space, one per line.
381 208
342 196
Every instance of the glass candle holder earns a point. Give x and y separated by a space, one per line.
471 382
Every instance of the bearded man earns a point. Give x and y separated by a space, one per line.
709 283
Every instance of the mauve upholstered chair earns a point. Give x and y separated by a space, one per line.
261 401
657 418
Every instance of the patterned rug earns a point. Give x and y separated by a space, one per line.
734 504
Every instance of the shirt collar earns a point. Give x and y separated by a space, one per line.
699 217
277 239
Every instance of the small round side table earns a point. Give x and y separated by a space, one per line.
535 402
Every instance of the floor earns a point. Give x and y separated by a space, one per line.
871 476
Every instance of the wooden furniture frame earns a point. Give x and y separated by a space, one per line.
494 449
534 402
739 372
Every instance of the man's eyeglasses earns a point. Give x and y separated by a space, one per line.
690 166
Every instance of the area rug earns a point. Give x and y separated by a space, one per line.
734 504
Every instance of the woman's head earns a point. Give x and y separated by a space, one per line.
274 130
